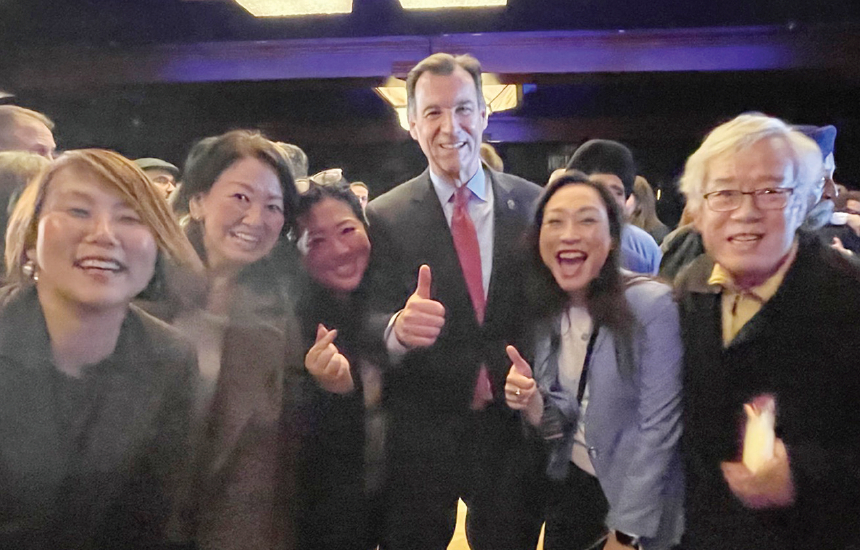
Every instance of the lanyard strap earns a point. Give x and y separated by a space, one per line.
583 378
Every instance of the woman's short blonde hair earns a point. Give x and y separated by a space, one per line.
121 175
742 132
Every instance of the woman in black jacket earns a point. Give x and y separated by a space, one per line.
341 472
95 394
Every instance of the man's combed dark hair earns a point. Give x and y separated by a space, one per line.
443 64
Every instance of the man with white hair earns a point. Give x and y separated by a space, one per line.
769 318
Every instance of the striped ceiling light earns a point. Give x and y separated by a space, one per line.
290 8
439 4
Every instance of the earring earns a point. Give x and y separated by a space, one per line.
29 270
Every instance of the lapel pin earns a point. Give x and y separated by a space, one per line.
511 204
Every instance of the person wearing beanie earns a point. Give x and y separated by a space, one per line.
611 164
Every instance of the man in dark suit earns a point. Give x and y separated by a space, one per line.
460 225
767 312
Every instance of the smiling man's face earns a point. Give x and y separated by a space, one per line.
448 123
751 242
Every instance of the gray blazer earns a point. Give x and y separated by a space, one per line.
632 423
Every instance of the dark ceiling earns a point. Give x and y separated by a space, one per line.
661 114
125 22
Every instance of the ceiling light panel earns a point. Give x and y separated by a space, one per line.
439 4
292 8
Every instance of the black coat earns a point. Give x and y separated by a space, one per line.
100 470
802 347
339 474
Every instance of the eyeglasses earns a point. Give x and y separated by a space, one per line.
772 198
332 176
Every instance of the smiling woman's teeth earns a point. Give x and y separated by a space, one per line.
100 264
245 237
571 256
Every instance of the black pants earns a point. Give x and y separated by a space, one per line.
576 513
481 457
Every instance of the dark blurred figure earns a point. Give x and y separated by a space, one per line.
641 208
680 247
25 130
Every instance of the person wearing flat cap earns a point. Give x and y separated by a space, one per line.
161 173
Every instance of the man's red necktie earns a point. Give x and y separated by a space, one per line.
469 253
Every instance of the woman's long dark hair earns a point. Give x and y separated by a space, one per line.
605 298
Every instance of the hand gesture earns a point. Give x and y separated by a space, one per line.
327 365
521 391
837 245
422 318
770 486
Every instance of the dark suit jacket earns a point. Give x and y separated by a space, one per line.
407 229
802 347
104 478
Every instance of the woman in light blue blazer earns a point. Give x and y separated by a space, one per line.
605 393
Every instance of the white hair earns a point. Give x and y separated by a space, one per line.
744 131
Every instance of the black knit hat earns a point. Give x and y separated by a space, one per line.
603 156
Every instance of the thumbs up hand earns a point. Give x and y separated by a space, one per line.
422 318
327 365
521 391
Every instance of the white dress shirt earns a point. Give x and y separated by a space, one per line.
576 327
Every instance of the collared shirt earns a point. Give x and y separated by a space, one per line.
481 202
739 306
576 327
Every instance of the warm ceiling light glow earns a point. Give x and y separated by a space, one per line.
437 4
288 8
498 97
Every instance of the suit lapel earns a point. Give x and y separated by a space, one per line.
510 216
